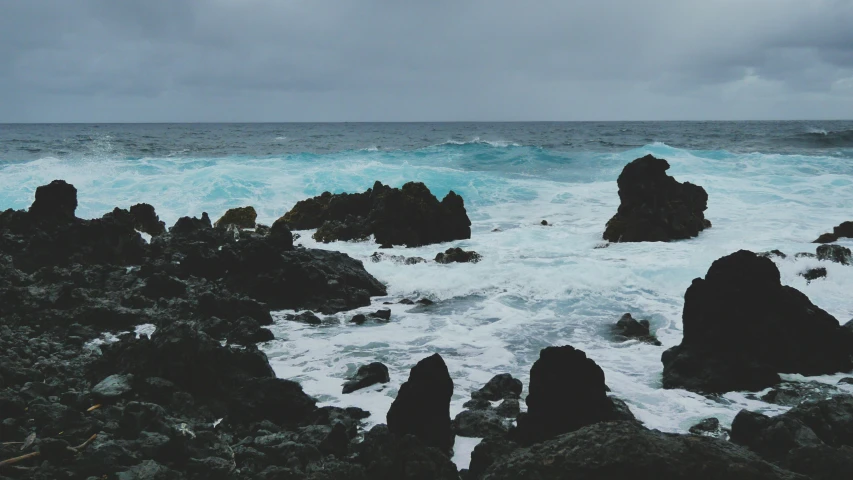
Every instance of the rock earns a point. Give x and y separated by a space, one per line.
358 319
422 406
241 217
409 216
366 376
113 387
247 331
498 388
190 225
509 408
742 327
791 394
544 223
846 380
281 235
57 201
805 439
424 301
457 255
383 314
386 456
377 257
710 427
835 253
161 285
304 317
614 450
145 219
654 206
148 470
566 392
813 274
845 230
629 328
480 424
486 453
406 301
773 253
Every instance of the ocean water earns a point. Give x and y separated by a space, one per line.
772 185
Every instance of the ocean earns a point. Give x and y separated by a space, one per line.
771 185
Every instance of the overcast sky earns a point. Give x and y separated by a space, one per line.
395 60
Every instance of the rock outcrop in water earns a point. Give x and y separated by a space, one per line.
742 328
844 230
422 406
241 217
566 392
654 206
813 438
409 216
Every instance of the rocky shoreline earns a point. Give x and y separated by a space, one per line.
197 399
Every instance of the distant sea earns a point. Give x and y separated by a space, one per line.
771 185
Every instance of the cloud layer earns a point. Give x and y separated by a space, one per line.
381 60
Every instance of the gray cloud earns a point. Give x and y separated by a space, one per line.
328 60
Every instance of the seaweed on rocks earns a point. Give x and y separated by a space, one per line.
654 206
410 216
742 328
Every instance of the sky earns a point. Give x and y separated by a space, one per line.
436 60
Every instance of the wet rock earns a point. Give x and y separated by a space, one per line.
742 327
846 380
509 408
406 301
813 274
358 319
55 201
835 253
366 376
304 317
280 235
480 424
247 331
383 314
844 230
628 328
241 217
161 285
487 452
544 223
191 225
388 456
566 392
654 206
457 255
710 427
113 387
409 216
773 253
377 257
422 406
791 394
145 219
626 450
501 386
148 470
425 301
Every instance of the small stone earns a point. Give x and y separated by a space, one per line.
366 376
113 387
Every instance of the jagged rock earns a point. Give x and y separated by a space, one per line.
805 439
457 255
382 314
835 253
566 392
241 217
409 216
389 456
377 257
628 328
742 327
190 225
146 219
614 450
710 427
654 206
501 386
773 253
57 201
304 317
366 376
794 393
845 229
813 274
422 406
480 424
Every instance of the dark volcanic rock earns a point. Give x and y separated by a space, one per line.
409 216
566 392
422 406
190 225
55 201
241 217
710 427
835 253
845 230
806 439
773 253
480 424
792 394
501 386
145 219
628 328
813 274
366 376
398 259
742 327
387 456
305 317
621 450
654 206
457 255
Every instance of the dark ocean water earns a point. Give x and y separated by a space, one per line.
771 185
32 141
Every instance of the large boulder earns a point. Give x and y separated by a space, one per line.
241 217
566 392
146 219
814 438
654 206
621 450
422 406
366 376
410 216
57 200
844 230
742 328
